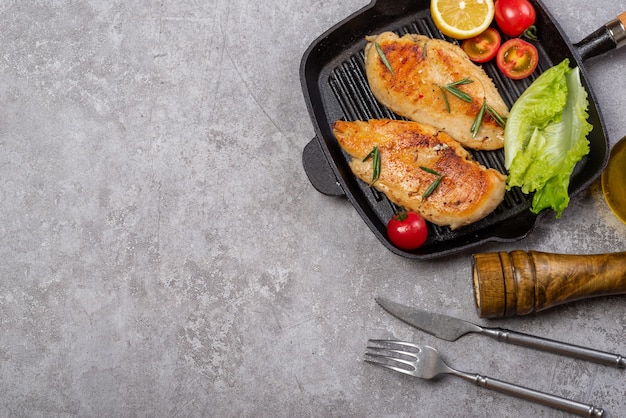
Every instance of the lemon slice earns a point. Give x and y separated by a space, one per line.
462 19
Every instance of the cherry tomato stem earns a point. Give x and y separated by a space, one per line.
513 17
530 33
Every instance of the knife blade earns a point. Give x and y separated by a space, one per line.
451 329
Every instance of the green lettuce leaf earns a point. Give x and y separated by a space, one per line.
546 135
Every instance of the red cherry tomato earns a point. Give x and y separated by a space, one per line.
517 58
407 230
483 47
513 17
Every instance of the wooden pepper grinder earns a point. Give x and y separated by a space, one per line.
523 282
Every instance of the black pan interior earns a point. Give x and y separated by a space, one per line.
335 87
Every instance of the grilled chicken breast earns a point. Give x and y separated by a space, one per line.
467 192
421 67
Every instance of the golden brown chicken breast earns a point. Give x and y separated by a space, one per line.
409 154
412 83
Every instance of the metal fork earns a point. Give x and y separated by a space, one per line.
424 362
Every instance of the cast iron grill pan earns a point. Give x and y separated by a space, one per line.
335 87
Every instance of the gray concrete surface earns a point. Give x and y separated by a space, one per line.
164 255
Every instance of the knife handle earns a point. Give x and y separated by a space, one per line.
523 282
556 347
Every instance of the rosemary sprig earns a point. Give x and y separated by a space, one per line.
496 116
383 57
433 186
445 98
375 156
431 171
452 88
479 119
481 115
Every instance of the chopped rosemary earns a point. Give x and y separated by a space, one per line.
433 186
452 89
430 170
445 98
383 57
496 116
375 156
481 115
479 119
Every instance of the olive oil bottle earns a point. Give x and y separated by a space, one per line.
614 180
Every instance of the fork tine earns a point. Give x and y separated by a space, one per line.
394 342
388 366
393 350
385 353
411 364
384 361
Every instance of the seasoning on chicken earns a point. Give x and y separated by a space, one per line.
413 76
413 157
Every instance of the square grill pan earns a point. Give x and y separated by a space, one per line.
335 87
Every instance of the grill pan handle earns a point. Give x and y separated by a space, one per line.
319 171
610 36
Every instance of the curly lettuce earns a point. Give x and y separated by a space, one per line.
546 135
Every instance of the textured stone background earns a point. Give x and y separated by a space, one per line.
163 253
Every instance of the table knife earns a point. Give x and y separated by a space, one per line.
451 329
